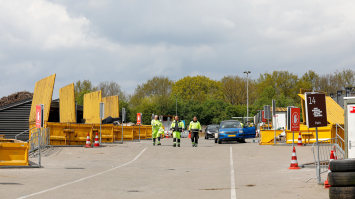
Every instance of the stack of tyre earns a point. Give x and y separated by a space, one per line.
342 179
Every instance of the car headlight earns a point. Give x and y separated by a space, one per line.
208 132
240 131
221 132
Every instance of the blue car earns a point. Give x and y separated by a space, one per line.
231 130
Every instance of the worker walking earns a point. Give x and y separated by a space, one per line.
156 125
195 128
177 127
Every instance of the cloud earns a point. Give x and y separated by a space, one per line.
132 41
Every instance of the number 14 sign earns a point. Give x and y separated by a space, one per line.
316 110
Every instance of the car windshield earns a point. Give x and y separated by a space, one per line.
214 127
230 124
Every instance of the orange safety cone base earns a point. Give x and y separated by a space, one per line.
96 144
294 167
326 184
87 146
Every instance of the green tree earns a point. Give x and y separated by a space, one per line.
235 90
157 89
283 82
198 88
308 80
111 89
81 88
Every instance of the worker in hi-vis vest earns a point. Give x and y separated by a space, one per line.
156 125
195 128
177 127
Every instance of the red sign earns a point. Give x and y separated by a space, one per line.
139 118
352 109
295 119
263 117
38 116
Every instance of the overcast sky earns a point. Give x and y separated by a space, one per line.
131 41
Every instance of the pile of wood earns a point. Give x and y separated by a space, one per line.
16 97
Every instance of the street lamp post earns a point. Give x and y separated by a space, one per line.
176 104
247 72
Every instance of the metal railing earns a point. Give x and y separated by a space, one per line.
39 140
325 148
23 132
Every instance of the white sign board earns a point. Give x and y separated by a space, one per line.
351 130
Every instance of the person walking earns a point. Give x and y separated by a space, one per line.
156 125
177 127
195 128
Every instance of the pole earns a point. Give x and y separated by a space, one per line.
293 139
247 97
122 133
100 131
318 166
139 132
39 147
176 105
274 126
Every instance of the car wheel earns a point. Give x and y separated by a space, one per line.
219 141
341 192
207 137
215 140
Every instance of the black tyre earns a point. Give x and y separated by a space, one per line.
241 141
341 179
342 165
341 192
215 140
219 141
207 137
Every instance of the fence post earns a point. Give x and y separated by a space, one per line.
318 163
39 148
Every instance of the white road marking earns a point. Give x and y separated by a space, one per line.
233 193
85 177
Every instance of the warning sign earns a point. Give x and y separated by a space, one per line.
139 118
295 119
263 119
39 116
352 109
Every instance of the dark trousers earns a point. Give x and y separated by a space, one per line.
194 137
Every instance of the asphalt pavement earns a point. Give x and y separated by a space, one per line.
141 170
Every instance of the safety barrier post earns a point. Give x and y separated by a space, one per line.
39 148
318 163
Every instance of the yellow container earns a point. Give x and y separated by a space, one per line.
13 154
267 136
309 134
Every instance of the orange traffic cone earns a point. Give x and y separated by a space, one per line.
299 140
88 143
294 163
256 134
167 135
326 184
189 135
97 144
335 154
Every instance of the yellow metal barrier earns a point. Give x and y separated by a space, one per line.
13 154
309 134
267 136
148 131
